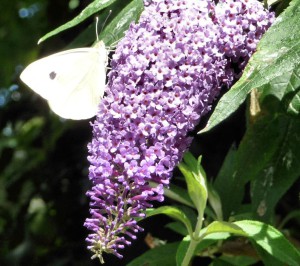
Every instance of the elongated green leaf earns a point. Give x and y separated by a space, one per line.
177 227
163 255
116 29
272 241
215 202
269 157
196 181
191 162
278 55
174 213
182 250
222 227
229 185
90 10
234 261
209 240
178 194
266 258
279 165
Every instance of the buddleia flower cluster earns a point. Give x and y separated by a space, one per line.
164 75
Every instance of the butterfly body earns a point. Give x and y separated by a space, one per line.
72 81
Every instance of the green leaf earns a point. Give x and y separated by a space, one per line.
162 255
267 153
278 55
271 240
215 202
228 184
275 161
116 29
90 10
191 162
172 212
182 250
178 194
206 242
266 258
222 227
196 181
213 233
177 227
285 89
209 240
234 260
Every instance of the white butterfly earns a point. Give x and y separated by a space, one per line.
72 81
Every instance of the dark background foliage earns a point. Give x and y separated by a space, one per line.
43 166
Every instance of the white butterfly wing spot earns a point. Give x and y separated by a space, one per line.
73 81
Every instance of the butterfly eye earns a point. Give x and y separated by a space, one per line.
52 75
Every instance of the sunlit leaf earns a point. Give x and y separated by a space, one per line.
90 10
272 241
115 30
222 227
174 213
196 181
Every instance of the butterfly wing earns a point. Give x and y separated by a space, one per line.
72 81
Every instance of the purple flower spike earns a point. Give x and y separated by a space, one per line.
165 73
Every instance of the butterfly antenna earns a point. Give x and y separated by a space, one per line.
97 35
110 11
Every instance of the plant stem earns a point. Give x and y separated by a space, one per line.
194 241
190 252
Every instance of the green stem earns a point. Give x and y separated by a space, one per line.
198 225
194 241
190 252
